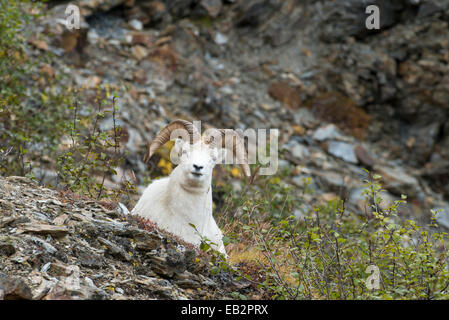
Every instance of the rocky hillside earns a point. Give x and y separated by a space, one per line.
343 98
55 246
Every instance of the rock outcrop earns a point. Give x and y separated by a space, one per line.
54 245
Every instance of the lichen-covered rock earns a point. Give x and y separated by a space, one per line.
14 288
89 255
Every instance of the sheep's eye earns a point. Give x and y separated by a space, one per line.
184 151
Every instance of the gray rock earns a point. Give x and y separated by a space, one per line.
424 137
144 240
437 173
88 259
45 229
220 38
161 287
430 8
44 244
305 118
343 150
122 209
119 290
212 7
100 226
347 18
284 163
136 24
397 181
80 289
327 132
297 150
187 280
92 36
168 265
332 181
6 221
300 151
115 250
44 286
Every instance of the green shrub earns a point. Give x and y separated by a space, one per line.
37 113
93 153
331 253
30 116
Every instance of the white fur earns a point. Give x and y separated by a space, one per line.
183 198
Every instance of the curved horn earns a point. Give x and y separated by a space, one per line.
237 147
164 135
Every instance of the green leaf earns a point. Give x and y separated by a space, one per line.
226 240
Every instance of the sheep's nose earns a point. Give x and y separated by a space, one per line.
197 168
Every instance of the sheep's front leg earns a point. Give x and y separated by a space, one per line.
215 235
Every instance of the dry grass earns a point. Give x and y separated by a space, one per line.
247 256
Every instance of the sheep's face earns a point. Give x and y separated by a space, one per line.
197 161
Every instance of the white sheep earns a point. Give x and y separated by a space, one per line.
184 198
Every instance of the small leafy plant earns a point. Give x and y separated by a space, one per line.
330 253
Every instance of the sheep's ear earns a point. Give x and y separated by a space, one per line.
179 143
221 155
176 151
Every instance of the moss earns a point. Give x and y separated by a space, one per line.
341 110
203 22
286 94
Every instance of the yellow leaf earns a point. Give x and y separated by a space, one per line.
165 165
275 180
108 92
235 172
44 98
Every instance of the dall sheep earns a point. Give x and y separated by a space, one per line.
184 198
